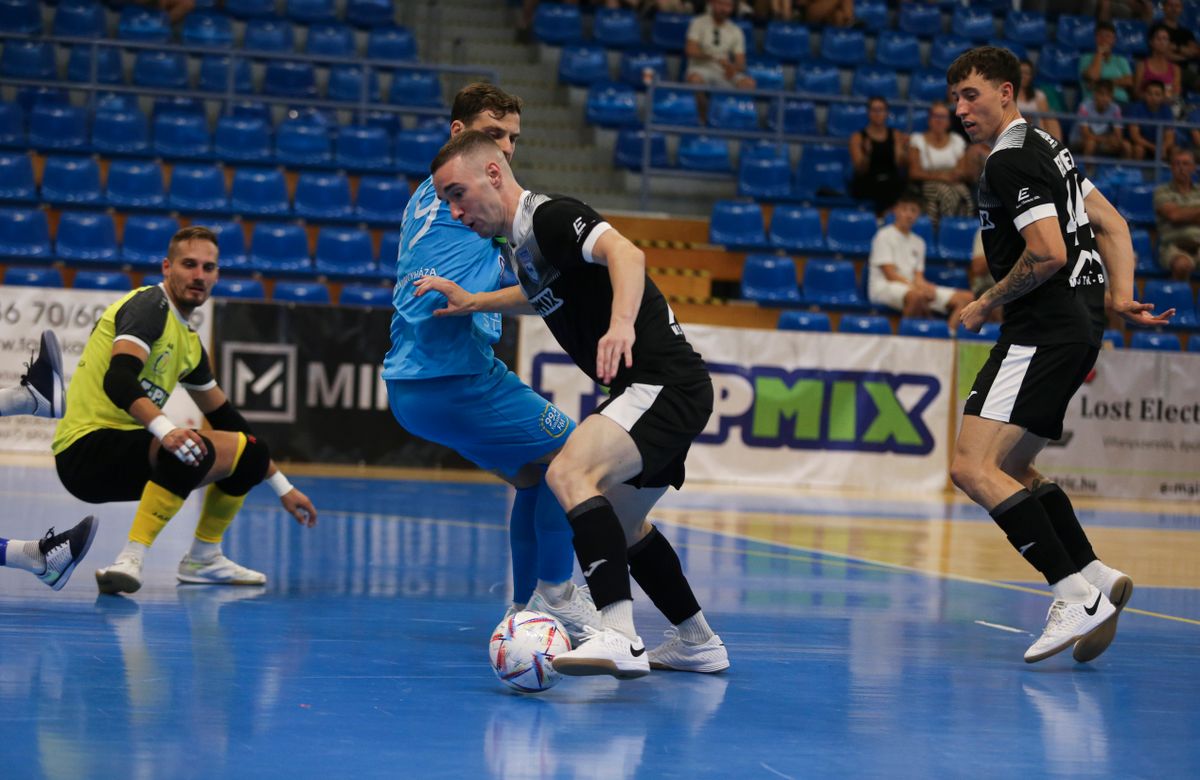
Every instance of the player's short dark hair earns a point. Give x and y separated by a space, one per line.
191 233
473 99
1153 30
910 197
991 62
1104 85
463 143
1154 83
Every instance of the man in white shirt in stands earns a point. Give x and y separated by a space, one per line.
716 52
897 269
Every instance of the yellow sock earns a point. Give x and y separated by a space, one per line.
216 514
157 506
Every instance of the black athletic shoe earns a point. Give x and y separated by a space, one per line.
45 379
64 551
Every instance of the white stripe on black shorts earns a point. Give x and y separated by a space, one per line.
662 420
1030 386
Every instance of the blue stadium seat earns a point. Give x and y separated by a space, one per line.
64 128
811 321
333 40
344 252
12 124
843 46
766 71
770 279
1166 294
347 82
927 85
558 23
955 239
865 323
611 105
675 107
1114 337
989 332
71 180
362 147
1025 27
729 111
302 143
250 9
25 276
627 153
27 60
764 177
581 65
30 98
616 28
873 14
269 34
797 229
242 289
925 328
24 233
392 43
259 191
787 41
1193 344
239 139
160 69
1159 342
86 237
144 243
231 240
108 65
1076 32
633 66
365 295
1136 203
370 13
920 19
181 135
311 11
845 119
832 283
737 223
870 81
669 32
764 148
1143 251
947 276
945 50
79 19
799 116
389 244
136 184
1131 37
16 178
820 175
279 246
321 195
415 88
150 280
1058 64
415 149
290 79
214 75
143 24
120 132
301 292
197 188
381 199
849 231
206 28
747 26
974 23
819 78
180 104
702 153
899 50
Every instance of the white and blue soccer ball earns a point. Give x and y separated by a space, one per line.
522 649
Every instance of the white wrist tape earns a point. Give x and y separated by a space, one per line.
279 483
160 426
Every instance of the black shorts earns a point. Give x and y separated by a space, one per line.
1030 386
106 465
663 421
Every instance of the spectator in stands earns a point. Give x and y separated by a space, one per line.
879 155
838 13
937 163
1177 208
1185 51
1105 64
1032 101
1157 65
1107 10
1098 130
716 52
780 10
897 269
1143 139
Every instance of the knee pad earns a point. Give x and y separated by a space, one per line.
250 469
178 477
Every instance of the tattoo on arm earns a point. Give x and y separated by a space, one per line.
1023 278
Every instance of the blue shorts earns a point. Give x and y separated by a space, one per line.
493 419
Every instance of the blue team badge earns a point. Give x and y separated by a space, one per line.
525 258
554 422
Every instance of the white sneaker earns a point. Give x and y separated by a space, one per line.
605 651
1069 621
44 379
1118 587
218 571
576 612
682 656
124 576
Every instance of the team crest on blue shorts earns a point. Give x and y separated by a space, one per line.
554 422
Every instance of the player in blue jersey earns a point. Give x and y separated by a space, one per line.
446 385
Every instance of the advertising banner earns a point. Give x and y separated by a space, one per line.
796 409
27 311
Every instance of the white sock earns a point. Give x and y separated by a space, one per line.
24 555
1072 588
134 548
1096 572
695 630
619 617
16 400
555 592
204 551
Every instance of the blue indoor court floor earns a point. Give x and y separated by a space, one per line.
869 637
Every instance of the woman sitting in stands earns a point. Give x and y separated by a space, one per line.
937 163
879 155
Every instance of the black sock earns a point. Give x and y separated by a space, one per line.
600 547
1030 531
655 566
1066 524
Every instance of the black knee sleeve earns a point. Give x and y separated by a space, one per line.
250 470
178 477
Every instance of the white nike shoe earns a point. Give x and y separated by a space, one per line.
605 651
681 656
576 612
1069 621
124 576
217 571
44 379
1118 587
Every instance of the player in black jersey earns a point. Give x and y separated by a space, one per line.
1052 242
589 284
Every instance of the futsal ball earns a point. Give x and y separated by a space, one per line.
522 647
